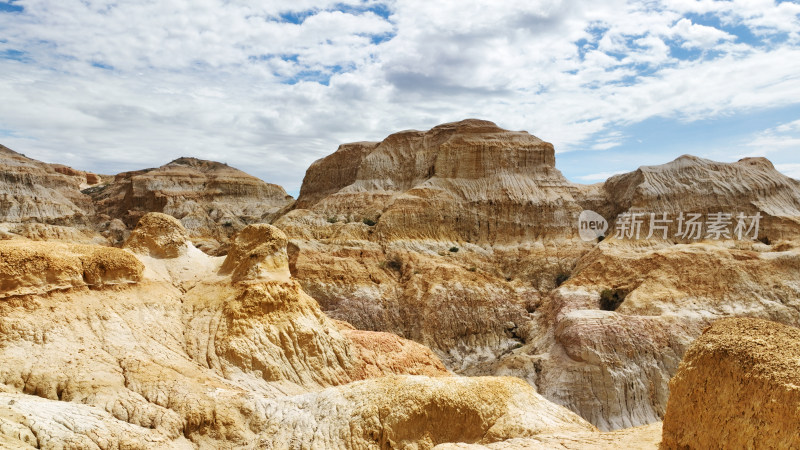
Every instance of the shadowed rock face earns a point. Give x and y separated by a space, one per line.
212 200
33 191
737 387
184 356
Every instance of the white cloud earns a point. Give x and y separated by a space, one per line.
597 177
776 142
790 170
699 36
231 80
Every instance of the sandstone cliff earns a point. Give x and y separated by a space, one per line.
465 181
212 200
181 355
607 341
462 238
737 387
696 185
391 236
33 191
430 235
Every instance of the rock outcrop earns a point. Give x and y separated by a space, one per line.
463 238
38 268
212 200
183 355
258 253
158 235
391 236
466 181
607 341
35 192
431 235
737 387
646 437
381 354
696 185
421 412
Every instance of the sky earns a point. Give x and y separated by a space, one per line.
271 86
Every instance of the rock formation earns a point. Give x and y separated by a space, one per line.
612 362
160 347
430 235
737 387
696 185
33 191
392 236
41 267
646 437
466 181
158 235
212 200
54 202
463 238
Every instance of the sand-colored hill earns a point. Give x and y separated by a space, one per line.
184 356
462 239
389 237
212 200
35 192
737 387
465 181
696 185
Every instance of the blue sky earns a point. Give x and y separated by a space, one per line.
117 85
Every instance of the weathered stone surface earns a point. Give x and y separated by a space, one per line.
212 200
646 437
462 238
428 235
33 191
158 235
612 367
737 387
464 181
38 267
334 172
258 252
188 357
696 185
421 412
385 353
44 232
391 238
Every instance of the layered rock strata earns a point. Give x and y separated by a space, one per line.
212 200
35 192
184 356
391 236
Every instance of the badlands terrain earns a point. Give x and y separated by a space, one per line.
428 290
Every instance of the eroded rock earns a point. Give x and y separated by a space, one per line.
33 191
212 200
28 267
158 235
258 252
737 386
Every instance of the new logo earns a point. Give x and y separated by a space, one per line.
591 225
